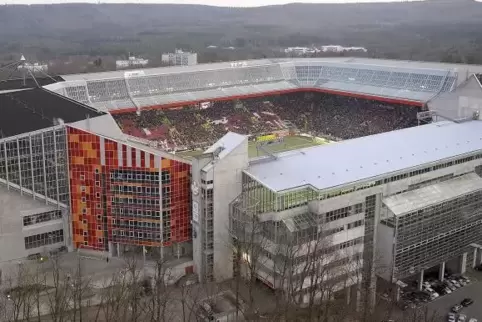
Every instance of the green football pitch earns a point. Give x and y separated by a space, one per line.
289 143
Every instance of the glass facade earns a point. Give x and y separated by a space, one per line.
123 194
39 240
36 164
438 233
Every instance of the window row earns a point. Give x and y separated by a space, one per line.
152 191
166 235
139 201
140 176
140 212
42 217
136 224
40 240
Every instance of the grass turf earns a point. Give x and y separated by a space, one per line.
289 143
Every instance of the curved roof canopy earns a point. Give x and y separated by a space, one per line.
405 81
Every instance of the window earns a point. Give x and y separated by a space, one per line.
82 188
97 183
83 199
84 211
40 240
358 208
97 195
42 217
98 206
82 177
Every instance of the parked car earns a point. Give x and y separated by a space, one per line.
478 267
473 320
451 317
462 318
456 308
467 302
456 284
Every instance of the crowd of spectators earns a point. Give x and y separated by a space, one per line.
320 114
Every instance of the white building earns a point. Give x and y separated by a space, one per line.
131 62
180 58
339 49
405 200
34 68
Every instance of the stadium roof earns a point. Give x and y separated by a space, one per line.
37 108
400 81
363 159
437 193
18 83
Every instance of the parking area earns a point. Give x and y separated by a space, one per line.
443 305
432 289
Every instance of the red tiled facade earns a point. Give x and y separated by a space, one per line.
123 194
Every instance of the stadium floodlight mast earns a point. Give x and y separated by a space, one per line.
21 65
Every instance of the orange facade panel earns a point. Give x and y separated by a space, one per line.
122 194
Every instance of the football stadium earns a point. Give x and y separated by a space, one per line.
377 161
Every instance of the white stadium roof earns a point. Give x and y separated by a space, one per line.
364 159
407 81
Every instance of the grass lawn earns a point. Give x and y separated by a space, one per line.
290 143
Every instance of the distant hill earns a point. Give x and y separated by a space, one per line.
112 29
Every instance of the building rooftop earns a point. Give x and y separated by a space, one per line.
414 200
364 159
37 108
18 83
415 82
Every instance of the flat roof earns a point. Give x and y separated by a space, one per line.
37 108
437 193
337 164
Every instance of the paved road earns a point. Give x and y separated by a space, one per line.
443 304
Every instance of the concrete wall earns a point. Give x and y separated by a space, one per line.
13 207
227 186
461 102
384 251
197 213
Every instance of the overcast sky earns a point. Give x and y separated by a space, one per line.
224 3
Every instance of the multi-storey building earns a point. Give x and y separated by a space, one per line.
126 195
34 176
180 58
69 177
386 206
405 200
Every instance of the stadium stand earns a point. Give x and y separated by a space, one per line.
412 83
33 109
320 114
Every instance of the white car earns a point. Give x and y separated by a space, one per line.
455 283
462 318
473 320
451 317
